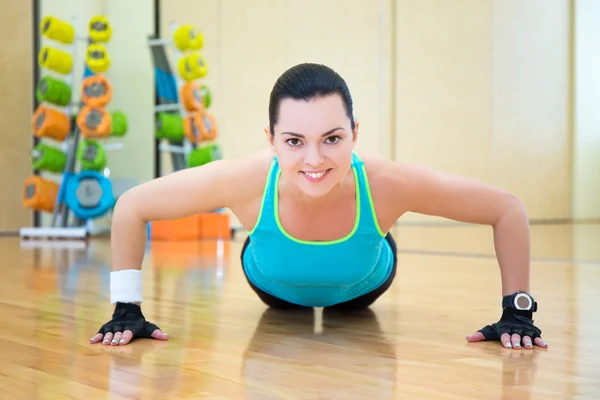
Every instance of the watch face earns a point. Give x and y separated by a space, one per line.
523 301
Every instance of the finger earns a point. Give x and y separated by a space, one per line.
540 342
476 337
97 337
107 338
126 338
527 342
505 338
116 338
160 335
516 341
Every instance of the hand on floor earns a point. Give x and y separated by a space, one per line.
127 323
514 330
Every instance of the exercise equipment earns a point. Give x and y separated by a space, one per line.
96 91
96 58
206 96
208 127
118 123
48 158
191 97
192 66
54 91
187 38
89 195
50 123
55 60
99 29
94 122
195 97
204 155
56 29
91 155
40 194
200 126
169 126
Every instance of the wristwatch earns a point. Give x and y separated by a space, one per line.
520 301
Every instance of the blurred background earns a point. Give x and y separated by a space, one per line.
502 91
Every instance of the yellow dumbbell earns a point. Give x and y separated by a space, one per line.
55 60
96 58
192 66
56 29
99 29
187 38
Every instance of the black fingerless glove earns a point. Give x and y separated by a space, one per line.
129 317
512 321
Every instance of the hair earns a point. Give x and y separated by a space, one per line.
306 82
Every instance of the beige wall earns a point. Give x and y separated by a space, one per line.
16 103
586 146
488 82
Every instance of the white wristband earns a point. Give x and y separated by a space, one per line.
126 286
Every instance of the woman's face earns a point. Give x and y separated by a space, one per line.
313 142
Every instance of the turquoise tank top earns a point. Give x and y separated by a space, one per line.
318 273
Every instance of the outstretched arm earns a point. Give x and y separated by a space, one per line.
219 184
460 198
426 191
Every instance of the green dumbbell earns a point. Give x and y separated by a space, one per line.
48 158
203 155
92 156
169 126
53 91
118 123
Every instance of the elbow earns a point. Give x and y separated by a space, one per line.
125 207
513 208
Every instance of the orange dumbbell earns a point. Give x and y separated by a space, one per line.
50 123
40 194
96 91
94 122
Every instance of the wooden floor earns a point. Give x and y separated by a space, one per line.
224 343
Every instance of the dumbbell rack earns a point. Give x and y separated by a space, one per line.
79 227
169 97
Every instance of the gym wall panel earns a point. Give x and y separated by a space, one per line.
586 146
16 101
483 91
531 132
444 86
132 77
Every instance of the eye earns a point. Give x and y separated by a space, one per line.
293 142
333 139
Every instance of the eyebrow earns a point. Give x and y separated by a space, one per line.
324 134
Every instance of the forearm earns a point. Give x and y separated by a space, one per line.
512 244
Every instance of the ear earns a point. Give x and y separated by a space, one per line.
269 137
355 132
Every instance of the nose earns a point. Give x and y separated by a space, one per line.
313 157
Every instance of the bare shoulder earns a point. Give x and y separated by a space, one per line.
399 187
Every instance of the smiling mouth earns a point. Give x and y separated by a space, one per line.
315 176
